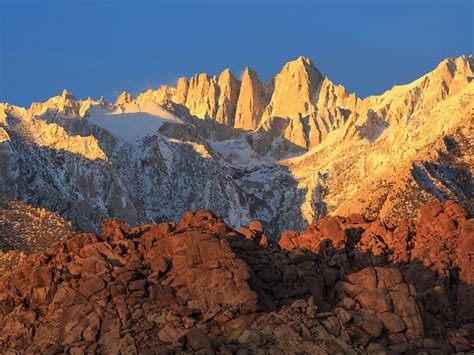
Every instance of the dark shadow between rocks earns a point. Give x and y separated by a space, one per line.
158 282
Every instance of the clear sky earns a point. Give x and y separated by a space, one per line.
99 48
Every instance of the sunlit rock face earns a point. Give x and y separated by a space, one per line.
124 98
65 103
202 96
286 151
251 102
295 91
228 95
181 91
209 96
345 285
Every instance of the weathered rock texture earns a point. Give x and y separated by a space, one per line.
345 285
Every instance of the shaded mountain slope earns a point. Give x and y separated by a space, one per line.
25 229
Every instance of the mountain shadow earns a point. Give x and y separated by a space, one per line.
157 180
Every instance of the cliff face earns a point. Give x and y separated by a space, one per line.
251 102
310 104
296 90
297 146
228 96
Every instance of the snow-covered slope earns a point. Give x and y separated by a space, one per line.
147 179
314 150
131 122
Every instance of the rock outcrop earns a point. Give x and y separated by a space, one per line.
427 255
124 98
296 90
207 96
348 285
251 103
202 96
66 103
228 95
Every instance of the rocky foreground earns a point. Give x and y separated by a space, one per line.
345 285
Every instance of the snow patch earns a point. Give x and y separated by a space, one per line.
239 154
131 122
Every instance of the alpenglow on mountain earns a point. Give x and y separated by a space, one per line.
287 151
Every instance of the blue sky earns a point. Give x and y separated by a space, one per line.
98 48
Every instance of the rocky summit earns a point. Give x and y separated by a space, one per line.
286 151
345 285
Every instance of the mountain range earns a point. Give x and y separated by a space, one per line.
341 225
287 151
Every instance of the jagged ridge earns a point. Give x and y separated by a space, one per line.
286 152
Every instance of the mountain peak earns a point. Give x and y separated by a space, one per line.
300 63
226 75
250 105
66 95
295 89
226 72
124 98
229 88
248 72
463 65
305 60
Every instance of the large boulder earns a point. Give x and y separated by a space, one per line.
383 293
